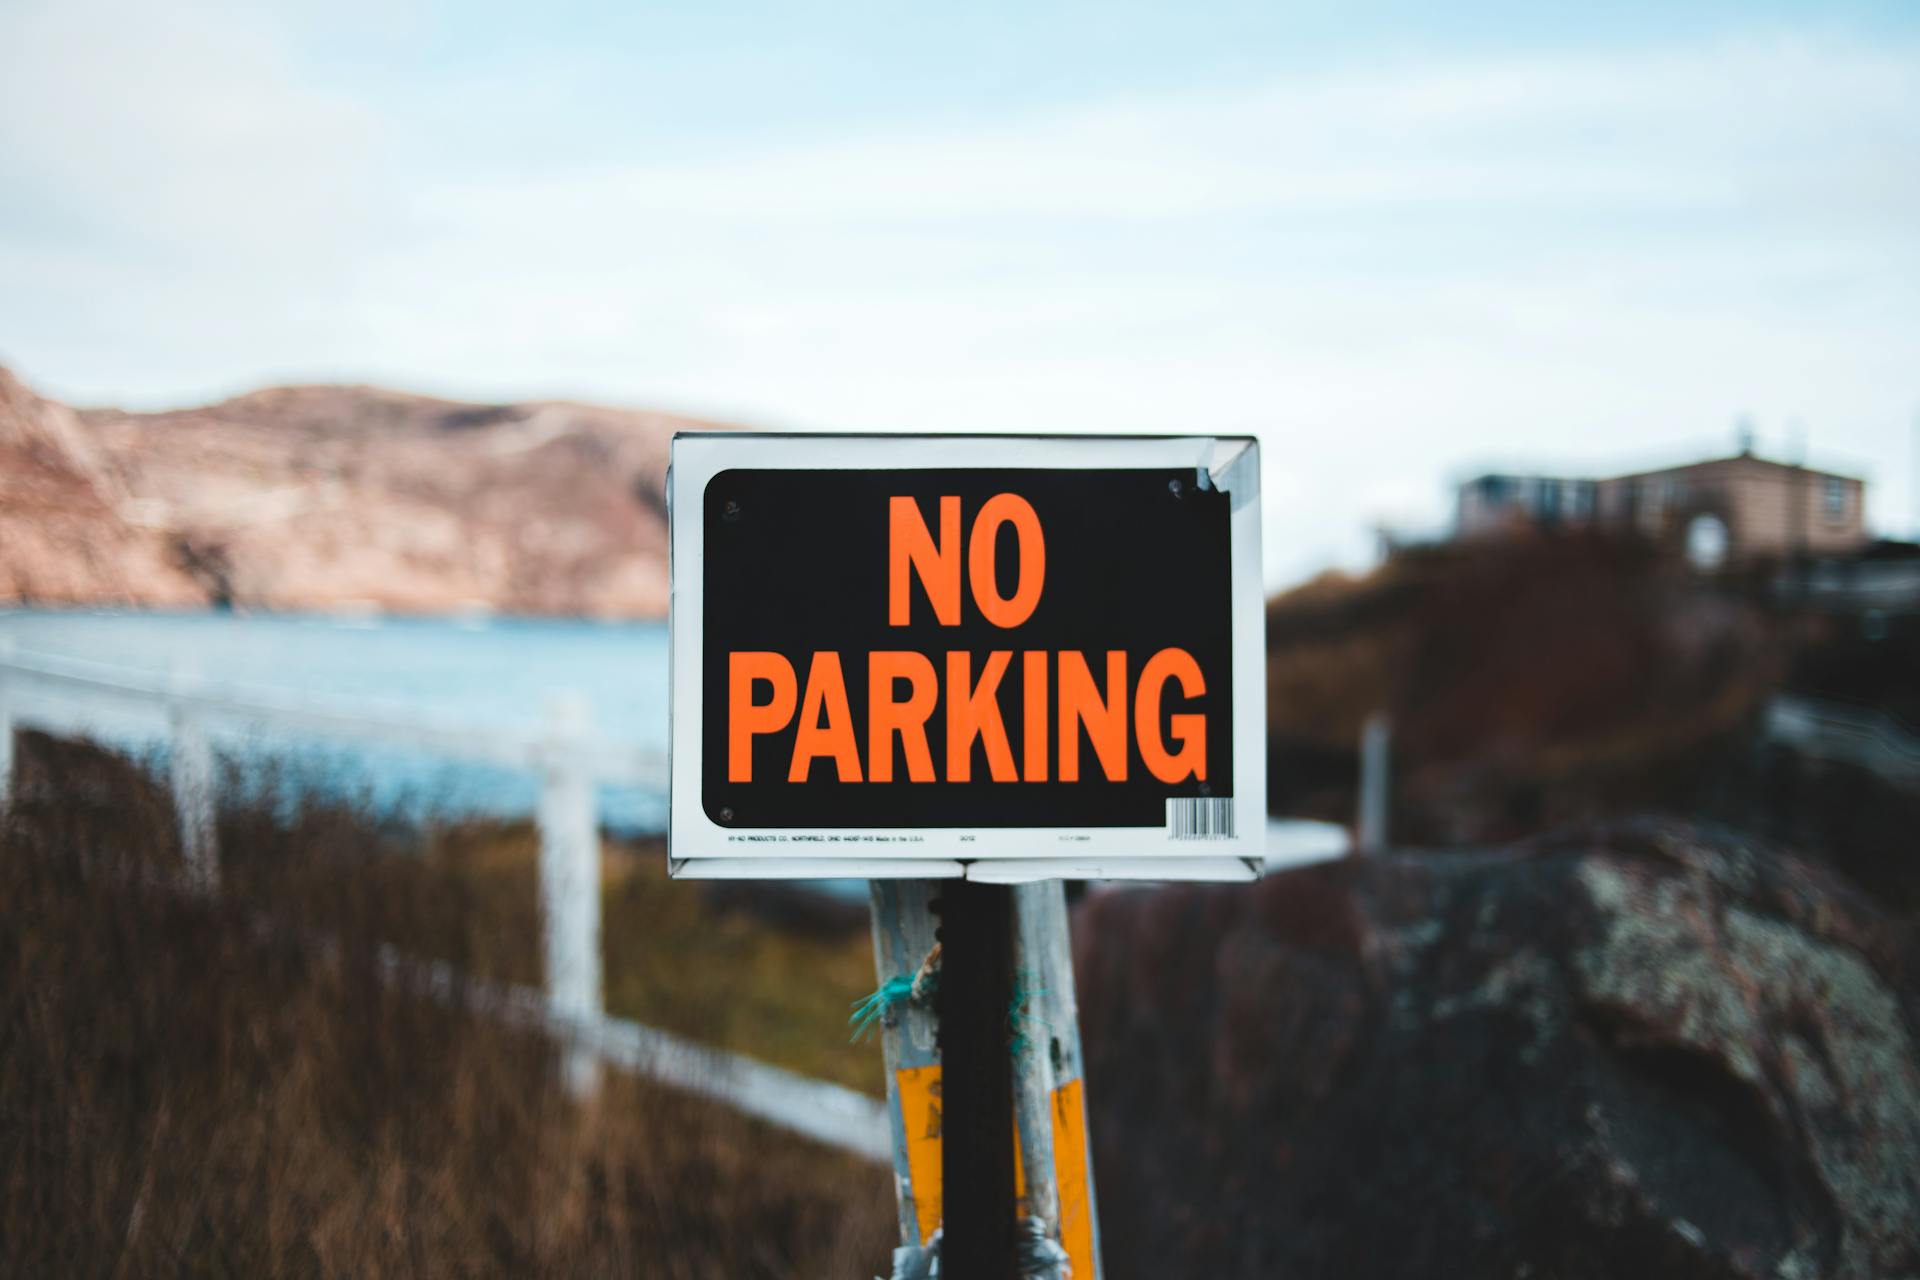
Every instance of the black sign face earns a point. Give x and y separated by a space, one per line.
965 648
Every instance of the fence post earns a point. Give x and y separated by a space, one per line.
7 681
903 938
1376 743
191 775
570 887
1052 1030
1033 1058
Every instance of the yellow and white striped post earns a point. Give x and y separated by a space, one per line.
903 939
1052 1032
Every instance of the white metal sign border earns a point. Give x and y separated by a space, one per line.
1230 464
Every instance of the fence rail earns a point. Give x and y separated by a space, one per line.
568 741
60 695
1837 731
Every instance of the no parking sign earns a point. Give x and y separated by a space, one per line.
1007 657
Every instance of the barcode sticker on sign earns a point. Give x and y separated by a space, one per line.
1200 818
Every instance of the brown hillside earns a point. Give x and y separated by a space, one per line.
62 537
322 497
1529 682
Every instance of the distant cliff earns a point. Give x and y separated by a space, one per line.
329 497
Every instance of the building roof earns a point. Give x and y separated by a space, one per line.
1544 478
1737 457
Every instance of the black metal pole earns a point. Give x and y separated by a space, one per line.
976 1081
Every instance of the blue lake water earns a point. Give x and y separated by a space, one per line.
494 675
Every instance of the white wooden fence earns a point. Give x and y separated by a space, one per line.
68 696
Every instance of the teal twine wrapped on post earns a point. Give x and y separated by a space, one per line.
870 1011
874 1010
1020 1023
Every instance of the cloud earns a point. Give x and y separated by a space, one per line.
1666 130
1389 271
178 128
1391 274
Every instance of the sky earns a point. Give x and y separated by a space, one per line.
1400 244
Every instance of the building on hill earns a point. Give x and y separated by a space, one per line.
1740 508
1500 503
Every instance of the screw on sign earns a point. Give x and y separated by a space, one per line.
996 660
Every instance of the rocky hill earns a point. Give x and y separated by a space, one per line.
62 535
330 497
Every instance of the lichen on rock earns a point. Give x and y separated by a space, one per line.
1644 1048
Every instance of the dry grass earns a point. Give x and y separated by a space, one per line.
183 1095
469 894
725 978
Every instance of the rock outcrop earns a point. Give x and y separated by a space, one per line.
327 497
1636 1050
63 537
